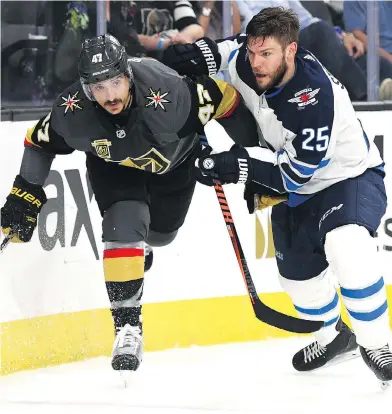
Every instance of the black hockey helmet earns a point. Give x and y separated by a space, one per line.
102 58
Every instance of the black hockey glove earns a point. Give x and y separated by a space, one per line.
193 59
19 214
228 167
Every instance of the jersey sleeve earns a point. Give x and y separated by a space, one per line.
228 47
303 154
184 14
44 136
211 99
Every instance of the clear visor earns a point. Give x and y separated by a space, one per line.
109 86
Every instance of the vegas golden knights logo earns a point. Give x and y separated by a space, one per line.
264 240
152 161
102 148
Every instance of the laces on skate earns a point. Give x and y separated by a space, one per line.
313 351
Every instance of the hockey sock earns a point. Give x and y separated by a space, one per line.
124 276
316 299
352 253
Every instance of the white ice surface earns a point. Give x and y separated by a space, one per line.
254 377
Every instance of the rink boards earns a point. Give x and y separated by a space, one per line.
53 303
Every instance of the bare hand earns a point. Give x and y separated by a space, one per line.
355 48
181 38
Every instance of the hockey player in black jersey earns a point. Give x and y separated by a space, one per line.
138 122
318 169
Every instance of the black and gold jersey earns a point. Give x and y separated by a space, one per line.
167 114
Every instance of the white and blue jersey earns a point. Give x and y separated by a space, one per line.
309 125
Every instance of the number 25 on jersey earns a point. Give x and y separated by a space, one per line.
316 140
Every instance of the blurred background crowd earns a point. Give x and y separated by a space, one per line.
40 40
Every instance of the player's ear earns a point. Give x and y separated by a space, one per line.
291 50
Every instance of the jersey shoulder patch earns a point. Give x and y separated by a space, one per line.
71 101
161 94
72 112
310 87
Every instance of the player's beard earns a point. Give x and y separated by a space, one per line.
276 77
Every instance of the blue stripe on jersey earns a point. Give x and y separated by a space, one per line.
323 163
285 168
365 136
294 181
381 168
369 316
307 170
365 292
366 140
232 54
303 169
271 95
290 184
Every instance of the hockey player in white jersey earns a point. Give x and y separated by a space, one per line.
319 160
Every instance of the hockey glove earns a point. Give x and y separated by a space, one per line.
193 59
19 214
228 167
259 197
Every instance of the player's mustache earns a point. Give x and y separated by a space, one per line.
115 101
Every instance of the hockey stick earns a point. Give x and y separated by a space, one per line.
263 312
6 241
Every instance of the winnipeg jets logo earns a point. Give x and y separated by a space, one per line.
305 97
157 99
70 102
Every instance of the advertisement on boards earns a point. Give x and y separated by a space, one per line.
61 269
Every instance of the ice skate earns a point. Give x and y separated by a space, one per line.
380 362
127 351
316 356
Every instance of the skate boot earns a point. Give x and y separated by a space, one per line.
148 257
315 355
128 348
380 362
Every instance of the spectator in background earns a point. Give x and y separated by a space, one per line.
120 24
211 18
331 11
335 53
355 22
156 24
74 28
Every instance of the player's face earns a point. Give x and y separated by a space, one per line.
269 61
112 94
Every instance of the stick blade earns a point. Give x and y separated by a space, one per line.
282 321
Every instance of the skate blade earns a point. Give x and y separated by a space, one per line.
125 363
126 377
339 359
